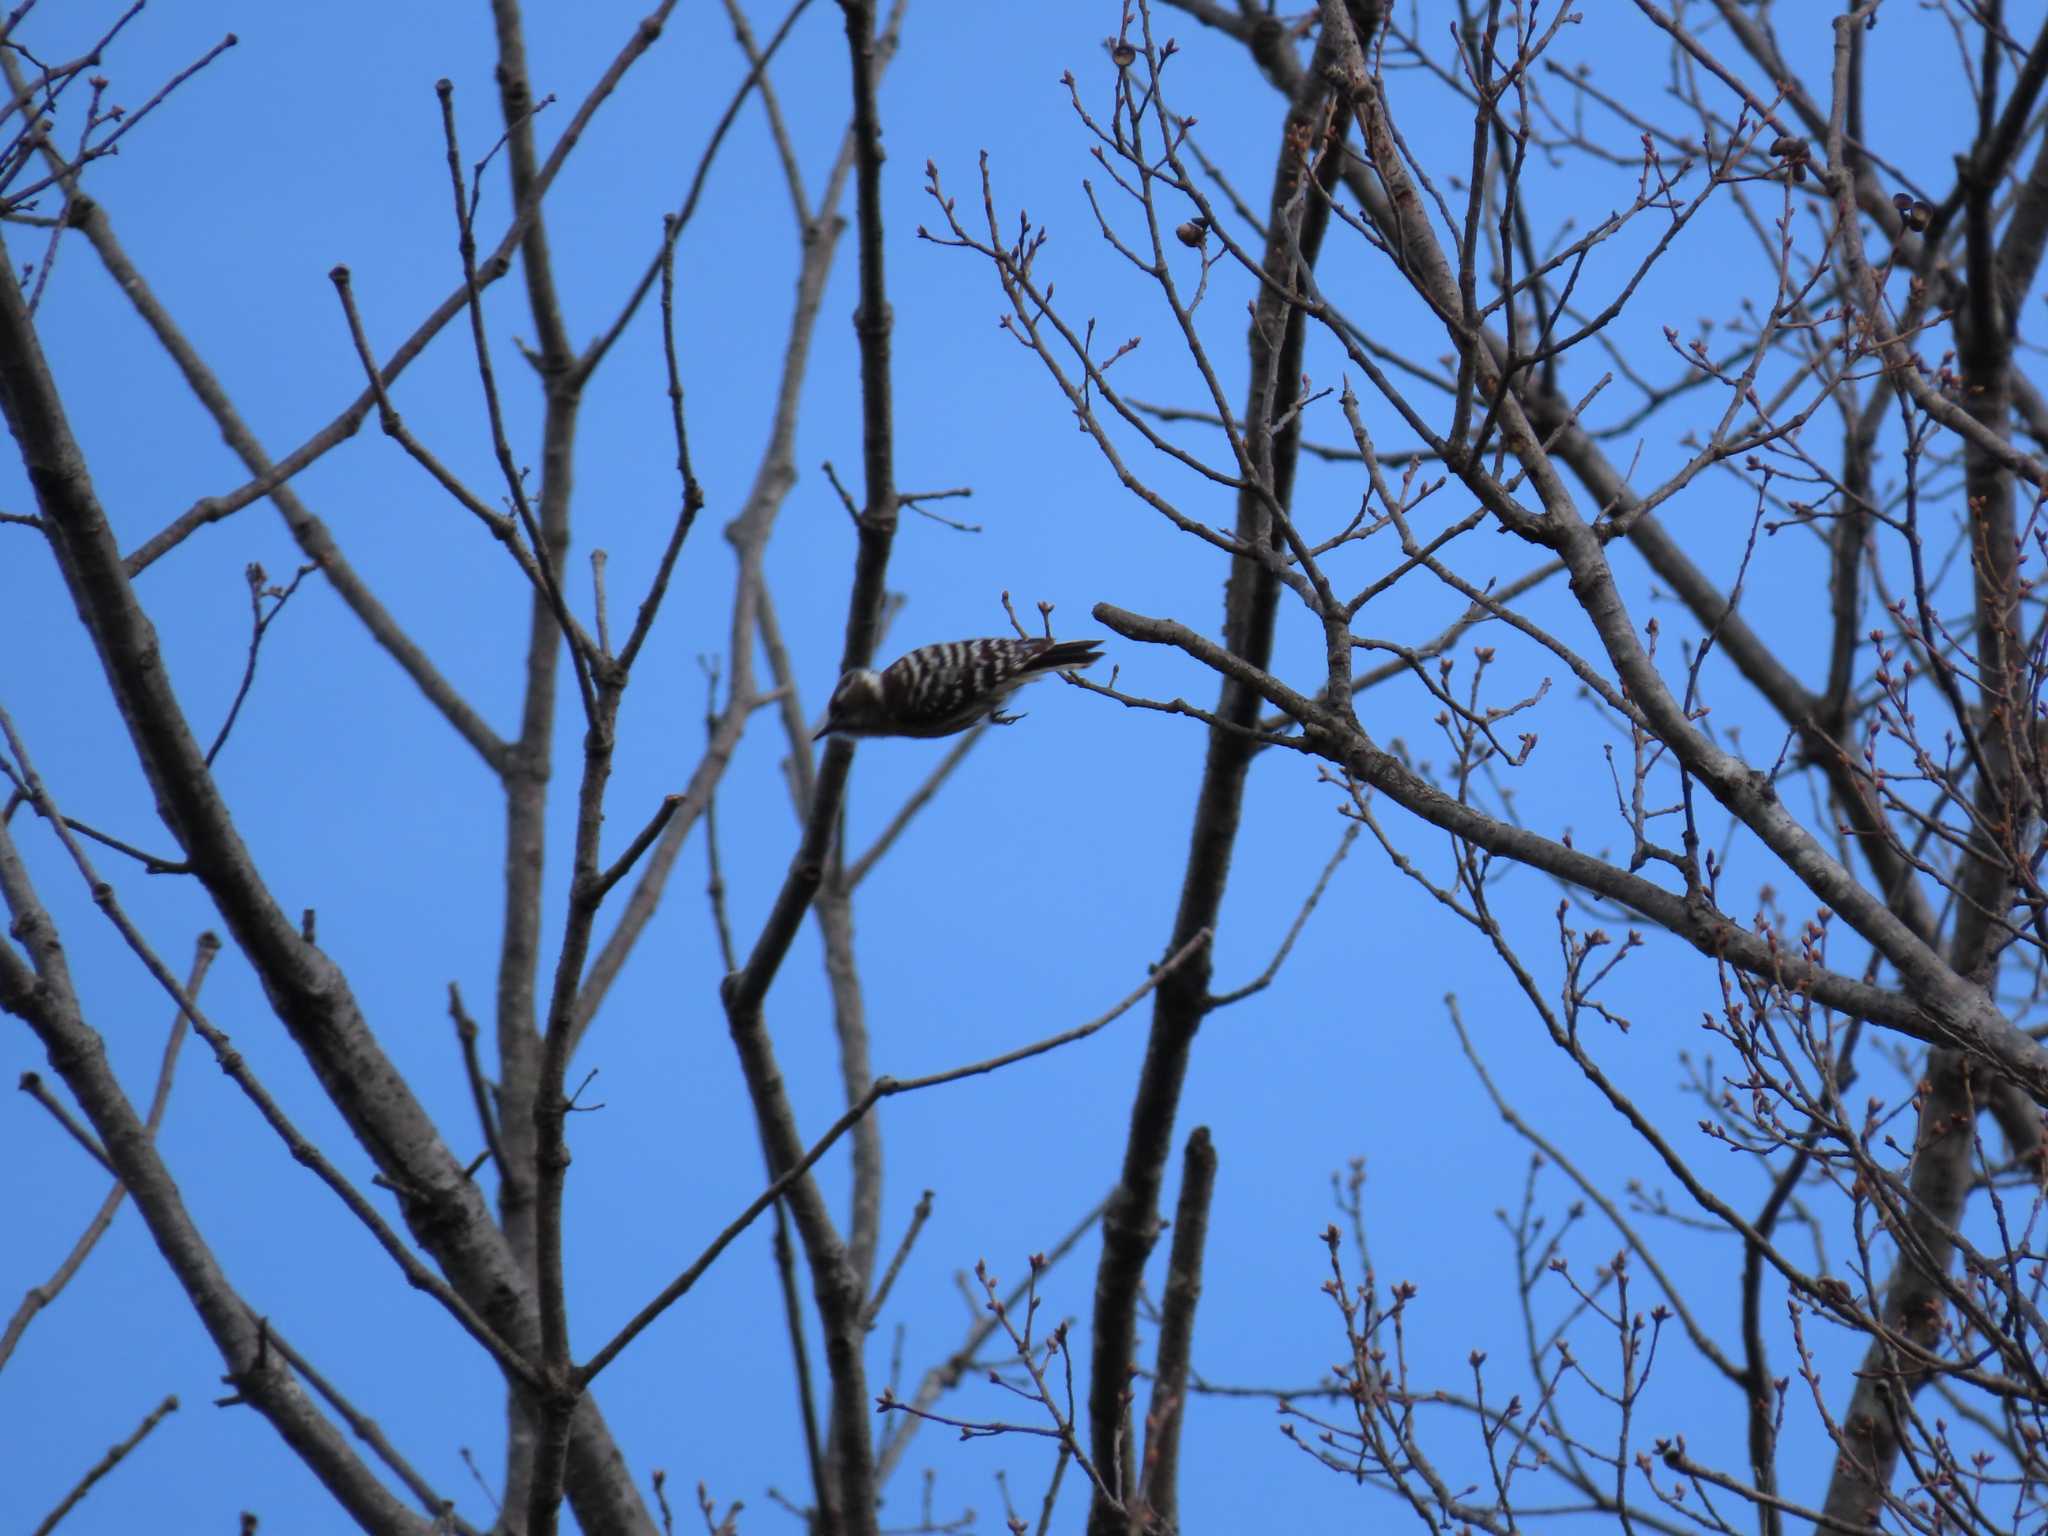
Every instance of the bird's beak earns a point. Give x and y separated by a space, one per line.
822 731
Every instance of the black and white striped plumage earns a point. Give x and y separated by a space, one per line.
937 690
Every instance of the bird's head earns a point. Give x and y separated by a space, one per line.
856 705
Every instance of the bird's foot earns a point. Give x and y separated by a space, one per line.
997 717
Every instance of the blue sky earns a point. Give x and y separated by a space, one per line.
1030 896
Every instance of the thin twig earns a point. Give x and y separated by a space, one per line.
367 1430
32 1084
915 499
1265 977
544 558
693 493
259 625
920 797
918 1218
604 623
623 865
104 1465
466 1033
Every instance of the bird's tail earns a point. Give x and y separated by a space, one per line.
1062 654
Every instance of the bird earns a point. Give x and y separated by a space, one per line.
938 690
